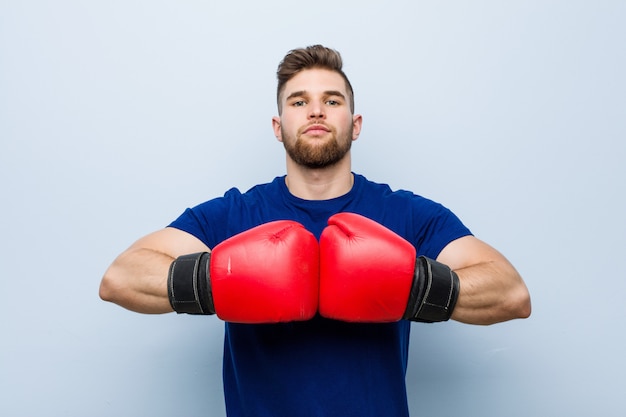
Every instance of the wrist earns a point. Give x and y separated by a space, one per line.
189 284
434 292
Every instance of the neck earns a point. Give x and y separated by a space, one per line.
319 184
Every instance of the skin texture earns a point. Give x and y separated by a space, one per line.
317 128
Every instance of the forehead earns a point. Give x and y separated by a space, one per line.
315 80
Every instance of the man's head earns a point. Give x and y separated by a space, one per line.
315 56
316 121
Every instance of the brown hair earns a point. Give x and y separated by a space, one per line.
315 56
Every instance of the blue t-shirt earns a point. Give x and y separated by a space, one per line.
319 367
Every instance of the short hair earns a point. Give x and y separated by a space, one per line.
314 56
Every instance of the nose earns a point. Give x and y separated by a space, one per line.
316 111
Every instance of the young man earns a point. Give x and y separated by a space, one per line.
319 273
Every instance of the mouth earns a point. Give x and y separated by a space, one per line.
316 129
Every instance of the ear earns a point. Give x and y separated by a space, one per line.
357 122
276 127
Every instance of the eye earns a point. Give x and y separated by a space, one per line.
298 103
332 102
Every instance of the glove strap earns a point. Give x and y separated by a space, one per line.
434 292
189 284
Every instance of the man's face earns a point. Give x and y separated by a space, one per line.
316 125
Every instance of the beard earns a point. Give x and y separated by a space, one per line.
317 155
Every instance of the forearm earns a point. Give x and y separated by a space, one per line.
137 280
491 292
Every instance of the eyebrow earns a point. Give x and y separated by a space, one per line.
303 93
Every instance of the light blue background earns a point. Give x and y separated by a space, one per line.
117 115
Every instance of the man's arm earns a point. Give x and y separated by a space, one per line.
137 279
492 291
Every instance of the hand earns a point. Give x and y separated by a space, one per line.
370 274
267 274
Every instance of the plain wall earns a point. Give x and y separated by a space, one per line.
117 115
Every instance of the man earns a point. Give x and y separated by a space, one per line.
319 273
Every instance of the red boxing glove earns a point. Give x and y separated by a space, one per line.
368 273
267 274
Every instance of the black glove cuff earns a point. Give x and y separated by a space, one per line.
189 284
434 292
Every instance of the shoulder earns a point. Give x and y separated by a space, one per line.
428 224
271 188
234 196
216 219
384 194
